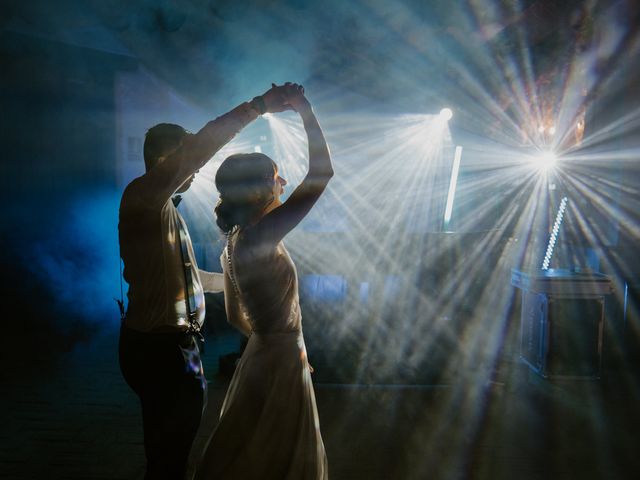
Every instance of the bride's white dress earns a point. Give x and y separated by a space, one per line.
269 427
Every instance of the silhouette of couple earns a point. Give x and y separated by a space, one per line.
268 426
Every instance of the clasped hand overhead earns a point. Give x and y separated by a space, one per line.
280 98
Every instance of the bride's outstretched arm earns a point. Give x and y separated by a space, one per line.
212 282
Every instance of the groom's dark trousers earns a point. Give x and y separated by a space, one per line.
165 371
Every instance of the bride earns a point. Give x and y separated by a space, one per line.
269 427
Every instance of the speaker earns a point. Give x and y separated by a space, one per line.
562 337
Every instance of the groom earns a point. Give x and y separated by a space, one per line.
159 356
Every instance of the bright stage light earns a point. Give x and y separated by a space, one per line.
446 114
546 160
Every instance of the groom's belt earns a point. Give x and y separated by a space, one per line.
156 334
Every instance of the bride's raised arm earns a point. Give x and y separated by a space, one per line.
280 221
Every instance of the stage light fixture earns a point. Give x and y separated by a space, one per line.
446 114
554 233
452 186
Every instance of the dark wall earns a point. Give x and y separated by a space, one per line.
58 122
57 131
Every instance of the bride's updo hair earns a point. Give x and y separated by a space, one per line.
245 182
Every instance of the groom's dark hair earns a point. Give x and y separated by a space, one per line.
160 140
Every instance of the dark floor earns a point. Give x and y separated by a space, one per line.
74 418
